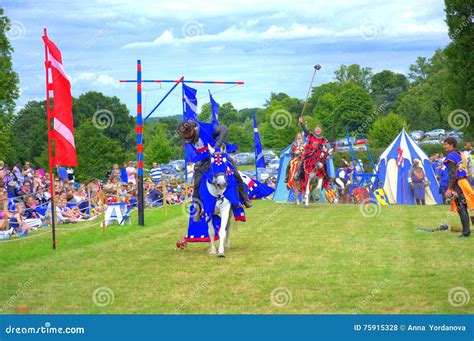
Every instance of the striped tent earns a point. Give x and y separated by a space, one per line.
394 165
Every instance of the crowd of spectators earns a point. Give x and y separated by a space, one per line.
25 200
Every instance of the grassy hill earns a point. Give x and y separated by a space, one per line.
285 259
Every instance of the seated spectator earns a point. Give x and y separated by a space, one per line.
42 197
27 172
155 197
37 181
16 222
67 214
25 190
31 211
31 214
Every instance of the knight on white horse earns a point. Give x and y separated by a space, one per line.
219 192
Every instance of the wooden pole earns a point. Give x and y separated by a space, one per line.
89 198
165 192
5 209
103 200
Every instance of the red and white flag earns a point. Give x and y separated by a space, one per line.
63 130
400 158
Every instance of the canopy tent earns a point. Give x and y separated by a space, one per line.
281 192
394 165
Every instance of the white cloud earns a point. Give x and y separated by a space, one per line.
93 79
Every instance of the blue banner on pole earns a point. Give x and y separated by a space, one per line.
215 110
259 159
190 103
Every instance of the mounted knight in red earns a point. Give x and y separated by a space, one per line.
313 166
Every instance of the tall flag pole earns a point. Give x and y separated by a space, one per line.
189 113
63 124
259 159
139 133
214 109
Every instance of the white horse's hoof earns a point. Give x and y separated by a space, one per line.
212 252
306 206
221 255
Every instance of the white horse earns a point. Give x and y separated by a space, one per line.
216 185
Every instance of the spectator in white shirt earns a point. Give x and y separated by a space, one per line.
131 173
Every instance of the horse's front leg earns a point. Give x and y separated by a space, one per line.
210 225
308 190
225 211
227 238
318 188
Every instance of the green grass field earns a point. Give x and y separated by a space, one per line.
326 259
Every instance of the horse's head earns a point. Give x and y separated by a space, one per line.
218 169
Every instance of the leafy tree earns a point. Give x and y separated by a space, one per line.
333 88
9 91
420 70
227 114
325 113
460 57
108 114
354 108
206 113
425 105
354 73
242 135
385 129
158 148
96 152
29 130
386 86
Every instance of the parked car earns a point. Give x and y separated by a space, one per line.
244 158
417 135
274 164
268 155
429 142
435 133
168 169
178 164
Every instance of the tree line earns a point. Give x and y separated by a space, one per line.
377 105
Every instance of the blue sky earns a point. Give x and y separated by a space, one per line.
270 45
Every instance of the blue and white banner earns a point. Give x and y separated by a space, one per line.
259 159
215 110
189 103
